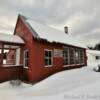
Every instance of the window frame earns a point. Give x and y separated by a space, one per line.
82 57
73 57
65 47
51 57
26 59
78 51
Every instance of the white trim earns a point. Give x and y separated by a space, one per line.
66 65
6 65
73 65
51 58
69 65
17 56
24 59
48 65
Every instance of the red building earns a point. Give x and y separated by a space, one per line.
45 50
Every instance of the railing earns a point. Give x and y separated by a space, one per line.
10 72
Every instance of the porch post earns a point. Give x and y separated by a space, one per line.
2 54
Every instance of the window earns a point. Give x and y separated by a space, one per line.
66 56
26 58
81 56
48 57
71 54
77 56
97 57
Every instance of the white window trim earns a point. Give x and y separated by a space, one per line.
51 57
66 65
24 59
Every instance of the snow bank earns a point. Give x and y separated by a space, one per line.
66 81
64 85
8 85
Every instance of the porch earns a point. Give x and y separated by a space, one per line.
10 65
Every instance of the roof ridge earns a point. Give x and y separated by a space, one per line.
35 20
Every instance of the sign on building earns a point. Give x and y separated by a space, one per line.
58 53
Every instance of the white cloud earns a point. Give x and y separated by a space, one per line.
81 16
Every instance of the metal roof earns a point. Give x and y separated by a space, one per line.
8 38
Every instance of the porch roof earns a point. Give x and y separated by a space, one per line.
12 39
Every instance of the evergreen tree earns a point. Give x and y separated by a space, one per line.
96 47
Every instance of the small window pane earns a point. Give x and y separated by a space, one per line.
71 53
49 61
97 57
26 58
26 63
49 53
65 55
77 56
81 56
46 53
46 61
48 57
27 55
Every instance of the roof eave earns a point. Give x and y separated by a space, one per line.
38 38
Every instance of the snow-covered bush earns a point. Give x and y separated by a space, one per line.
97 68
15 82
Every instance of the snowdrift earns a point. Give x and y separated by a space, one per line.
80 82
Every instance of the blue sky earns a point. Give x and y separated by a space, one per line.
81 16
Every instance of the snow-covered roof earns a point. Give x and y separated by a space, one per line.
51 34
10 38
93 52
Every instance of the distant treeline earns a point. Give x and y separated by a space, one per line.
96 47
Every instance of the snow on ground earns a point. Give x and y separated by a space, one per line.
76 84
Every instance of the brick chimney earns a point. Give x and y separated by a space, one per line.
66 29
